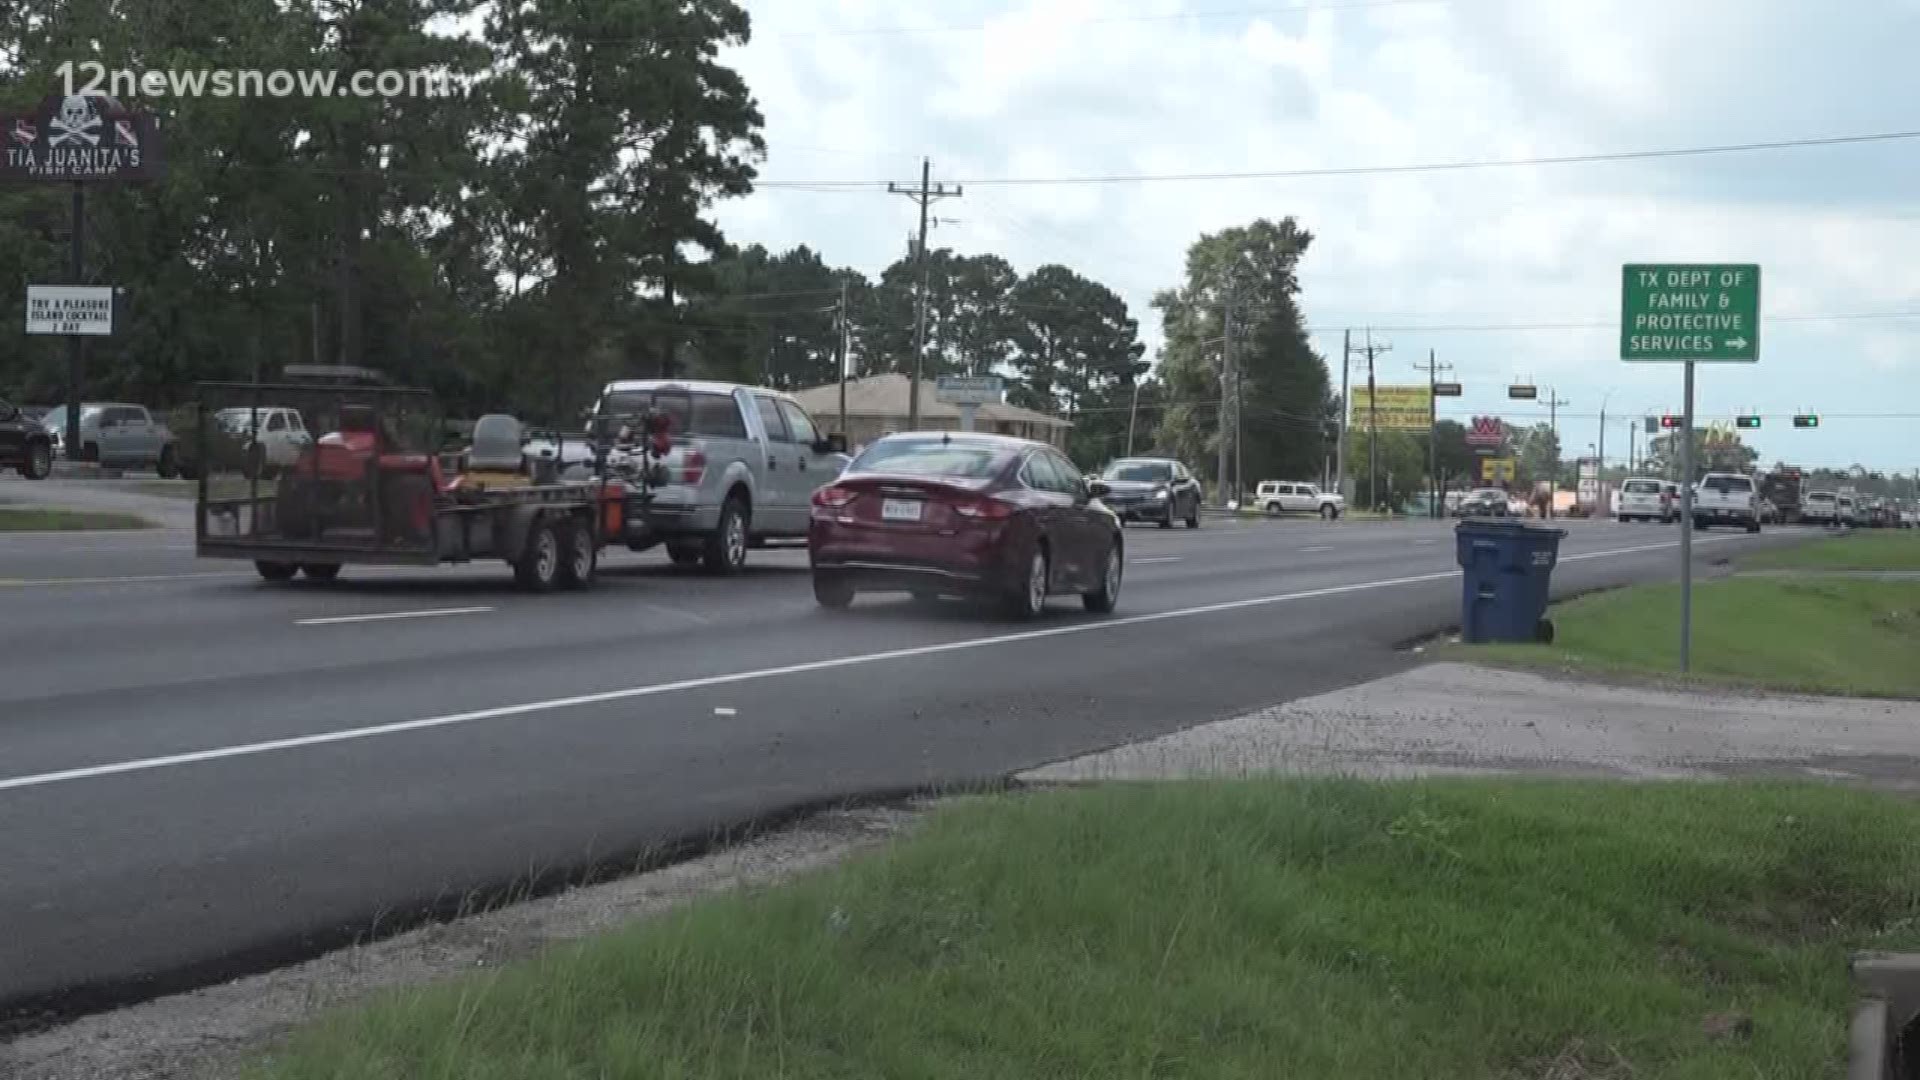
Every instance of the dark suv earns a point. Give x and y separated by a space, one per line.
24 444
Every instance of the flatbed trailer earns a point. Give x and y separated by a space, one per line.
360 497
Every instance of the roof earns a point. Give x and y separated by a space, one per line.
885 397
698 386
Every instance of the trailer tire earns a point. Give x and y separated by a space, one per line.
321 572
538 567
579 558
276 571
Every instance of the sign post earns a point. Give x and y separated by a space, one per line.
969 392
1689 312
78 139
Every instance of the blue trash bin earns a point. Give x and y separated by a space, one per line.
1506 574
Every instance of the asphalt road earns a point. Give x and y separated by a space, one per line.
202 774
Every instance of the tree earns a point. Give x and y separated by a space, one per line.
1073 342
1537 449
619 128
969 325
1402 465
770 318
1284 384
1714 450
1459 465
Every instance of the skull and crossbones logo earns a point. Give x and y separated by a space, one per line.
75 122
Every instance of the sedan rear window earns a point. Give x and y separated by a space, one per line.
1141 471
929 457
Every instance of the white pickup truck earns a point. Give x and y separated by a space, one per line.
1726 499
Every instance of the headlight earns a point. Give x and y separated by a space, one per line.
1160 495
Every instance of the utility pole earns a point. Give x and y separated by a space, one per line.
1554 402
1132 412
1433 368
1602 505
1373 422
1346 408
1226 393
840 341
924 196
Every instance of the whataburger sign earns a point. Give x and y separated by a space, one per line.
1486 431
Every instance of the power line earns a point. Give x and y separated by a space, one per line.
1386 170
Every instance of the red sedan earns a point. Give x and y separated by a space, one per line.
965 514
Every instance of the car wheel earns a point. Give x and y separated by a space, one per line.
322 572
833 592
276 571
581 559
725 549
1328 512
538 568
167 467
90 452
1193 515
683 553
1103 599
1753 526
1167 522
1029 597
1700 524
1273 509
39 462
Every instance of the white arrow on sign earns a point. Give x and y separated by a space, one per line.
1737 343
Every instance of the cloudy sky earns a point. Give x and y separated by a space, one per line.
1460 262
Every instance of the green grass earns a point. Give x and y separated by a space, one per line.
1237 930
1818 634
1877 549
16 519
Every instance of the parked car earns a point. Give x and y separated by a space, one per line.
118 434
1845 514
1277 497
269 438
24 445
1726 499
1486 502
743 464
948 513
1820 508
1646 499
1152 489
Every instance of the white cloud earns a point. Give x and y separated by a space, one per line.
1101 87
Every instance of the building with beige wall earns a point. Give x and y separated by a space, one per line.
877 405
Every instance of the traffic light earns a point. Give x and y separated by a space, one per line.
1806 421
1669 421
1746 421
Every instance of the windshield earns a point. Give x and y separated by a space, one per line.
1724 484
929 457
57 416
1819 497
1642 487
1144 472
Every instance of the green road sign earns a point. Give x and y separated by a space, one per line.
1690 311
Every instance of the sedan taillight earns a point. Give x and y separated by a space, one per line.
980 509
833 497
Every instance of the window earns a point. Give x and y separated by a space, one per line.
1066 472
1042 475
1140 471
278 422
1642 487
716 416
799 423
713 415
770 418
1727 484
929 457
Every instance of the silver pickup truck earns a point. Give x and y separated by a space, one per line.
117 434
742 470
1726 499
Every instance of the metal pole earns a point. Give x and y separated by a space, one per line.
841 343
1602 506
76 345
1373 433
1346 407
1133 411
966 416
1226 388
1686 525
1239 475
1433 438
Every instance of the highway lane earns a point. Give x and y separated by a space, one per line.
549 733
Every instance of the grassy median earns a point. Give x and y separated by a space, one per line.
17 519
1878 549
1244 929
1828 635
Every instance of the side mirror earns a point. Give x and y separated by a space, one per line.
1098 489
835 443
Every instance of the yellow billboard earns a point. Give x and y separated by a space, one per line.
1393 408
1496 470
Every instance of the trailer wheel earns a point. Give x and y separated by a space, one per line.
579 557
320 571
276 571
538 568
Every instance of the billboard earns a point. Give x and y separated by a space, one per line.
1393 408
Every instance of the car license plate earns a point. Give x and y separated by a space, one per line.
900 510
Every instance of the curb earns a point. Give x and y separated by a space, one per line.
1889 985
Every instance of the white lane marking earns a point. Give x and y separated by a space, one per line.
297 742
1158 558
724 711
129 580
1427 543
382 616
1316 547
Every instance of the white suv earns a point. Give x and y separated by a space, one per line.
1645 499
1277 497
1726 499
